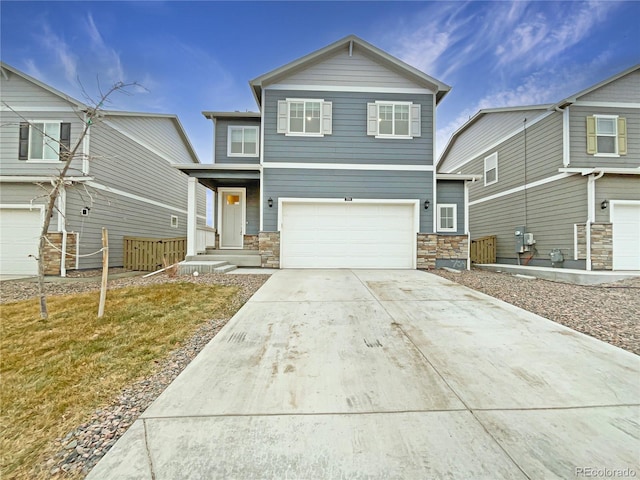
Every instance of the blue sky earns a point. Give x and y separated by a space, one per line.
194 56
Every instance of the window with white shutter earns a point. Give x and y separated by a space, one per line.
393 119
305 117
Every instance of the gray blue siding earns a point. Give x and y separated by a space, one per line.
452 192
349 142
357 184
221 139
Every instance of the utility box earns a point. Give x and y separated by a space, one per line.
556 257
528 240
519 237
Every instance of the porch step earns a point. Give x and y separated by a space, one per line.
214 251
203 266
234 257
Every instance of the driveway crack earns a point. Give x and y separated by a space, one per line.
147 449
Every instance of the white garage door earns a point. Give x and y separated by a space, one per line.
348 235
626 236
19 234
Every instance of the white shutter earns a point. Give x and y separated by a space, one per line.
327 118
282 116
416 129
372 119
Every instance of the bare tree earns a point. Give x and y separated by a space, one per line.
67 154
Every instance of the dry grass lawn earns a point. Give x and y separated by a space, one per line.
55 373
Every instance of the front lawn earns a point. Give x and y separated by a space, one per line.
55 373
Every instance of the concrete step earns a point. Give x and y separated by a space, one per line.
213 251
241 260
225 269
203 266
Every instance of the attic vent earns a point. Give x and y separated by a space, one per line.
351 48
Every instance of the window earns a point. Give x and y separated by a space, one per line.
491 169
305 117
43 140
242 142
393 119
446 217
174 221
606 135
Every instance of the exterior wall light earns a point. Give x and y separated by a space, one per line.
426 204
270 202
604 204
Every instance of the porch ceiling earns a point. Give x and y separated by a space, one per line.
214 176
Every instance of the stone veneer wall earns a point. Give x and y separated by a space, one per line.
251 242
53 256
269 248
432 246
601 246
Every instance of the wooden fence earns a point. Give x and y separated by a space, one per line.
151 254
483 250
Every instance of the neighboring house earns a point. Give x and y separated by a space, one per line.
565 176
337 168
123 179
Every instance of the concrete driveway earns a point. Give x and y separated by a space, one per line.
388 374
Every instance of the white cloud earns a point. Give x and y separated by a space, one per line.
62 52
104 55
30 68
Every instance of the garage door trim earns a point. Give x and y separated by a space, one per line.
613 204
415 203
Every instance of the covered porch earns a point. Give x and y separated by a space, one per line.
236 215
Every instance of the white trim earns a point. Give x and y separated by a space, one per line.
414 202
4 108
62 207
393 105
44 136
349 166
38 179
520 188
613 170
566 137
575 241
243 128
607 104
138 141
466 209
243 200
86 144
614 135
434 197
25 206
173 223
439 217
497 143
260 185
348 88
192 212
133 196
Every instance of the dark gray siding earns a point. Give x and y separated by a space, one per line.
550 212
452 191
303 183
578 129
221 137
349 142
615 187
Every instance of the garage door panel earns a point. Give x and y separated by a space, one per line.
347 235
626 236
19 237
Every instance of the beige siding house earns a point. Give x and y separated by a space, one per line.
121 180
561 178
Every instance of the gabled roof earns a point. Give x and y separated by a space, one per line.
113 113
348 42
510 119
573 98
64 96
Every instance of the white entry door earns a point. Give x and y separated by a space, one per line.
626 235
231 217
325 234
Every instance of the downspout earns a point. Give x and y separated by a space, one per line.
466 221
591 211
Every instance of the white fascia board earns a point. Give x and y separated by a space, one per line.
522 187
607 104
216 167
122 193
5 108
612 170
458 176
495 144
39 179
349 166
348 88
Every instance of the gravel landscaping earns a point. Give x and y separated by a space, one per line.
607 312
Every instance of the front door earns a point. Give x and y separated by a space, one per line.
231 217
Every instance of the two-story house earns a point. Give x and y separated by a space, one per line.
121 179
561 182
336 170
